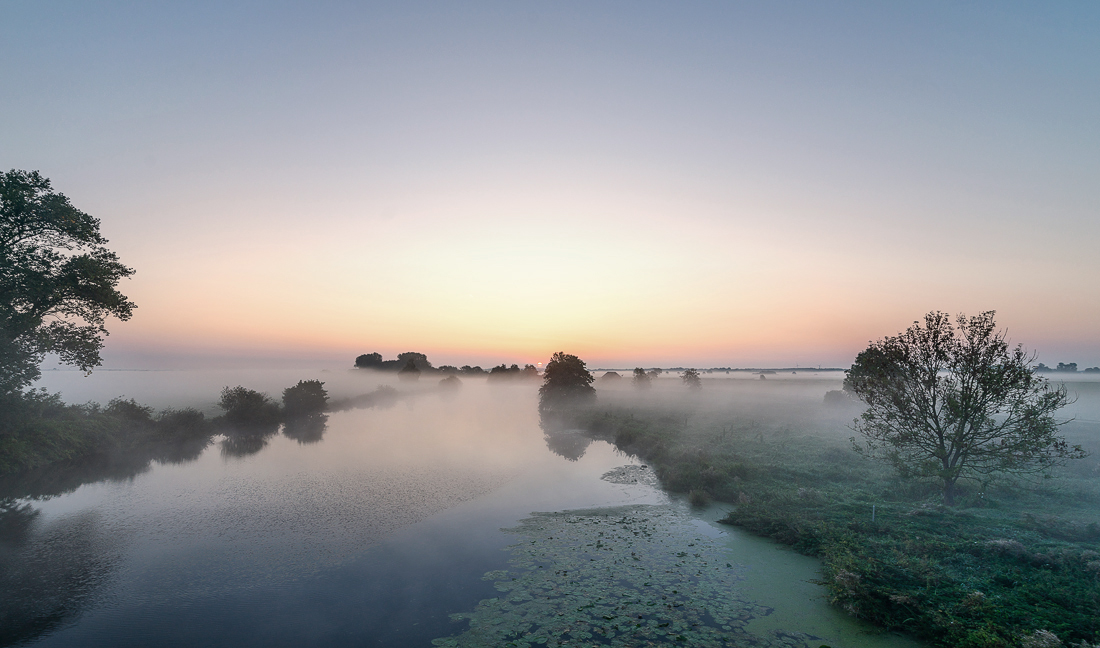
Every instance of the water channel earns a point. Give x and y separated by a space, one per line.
451 519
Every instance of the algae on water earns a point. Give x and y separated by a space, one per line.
623 576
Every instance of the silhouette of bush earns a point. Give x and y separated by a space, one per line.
369 361
409 373
249 409
306 398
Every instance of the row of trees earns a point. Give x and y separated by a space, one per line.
1064 367
642 379
411 364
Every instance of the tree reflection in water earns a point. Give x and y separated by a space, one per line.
570 444
243 442
50 572
306 429
47 575
561 438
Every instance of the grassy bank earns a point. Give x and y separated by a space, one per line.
39 430
1009 565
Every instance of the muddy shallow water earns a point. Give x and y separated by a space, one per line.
451 519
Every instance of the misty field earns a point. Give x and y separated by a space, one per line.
1013 558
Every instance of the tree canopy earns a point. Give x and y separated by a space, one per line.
307 398
368 360
957 402
58 281
566 384
691 379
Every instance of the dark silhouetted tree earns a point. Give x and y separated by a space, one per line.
369 361
58 281
566 385
957 402
691 379
307 398
249 410
641 379
418 359
409 372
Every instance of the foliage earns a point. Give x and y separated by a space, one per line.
992 574
419 360
306 398
625 576
369 361
503 372
691 379
39 430
57 281
247 409
566 384
956 403
409 372
641 379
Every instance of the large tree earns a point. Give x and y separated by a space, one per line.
956 402
566 383
58 281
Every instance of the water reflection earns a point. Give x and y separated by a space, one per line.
239 444
47 576
570 444
306 429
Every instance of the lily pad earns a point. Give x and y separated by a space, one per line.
615 577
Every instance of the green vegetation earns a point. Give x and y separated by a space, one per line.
58 281
957 403
624 576
39 430
1012 561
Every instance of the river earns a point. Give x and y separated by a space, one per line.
450 518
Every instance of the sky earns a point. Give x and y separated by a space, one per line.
637 183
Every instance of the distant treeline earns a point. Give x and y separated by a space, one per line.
412 362
1064 367
729 369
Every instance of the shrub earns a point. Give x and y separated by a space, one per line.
246 408
305 398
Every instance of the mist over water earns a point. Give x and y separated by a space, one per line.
377 524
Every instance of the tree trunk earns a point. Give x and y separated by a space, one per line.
948 492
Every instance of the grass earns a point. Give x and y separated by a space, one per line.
38 430
1009 563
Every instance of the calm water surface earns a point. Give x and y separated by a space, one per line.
373 535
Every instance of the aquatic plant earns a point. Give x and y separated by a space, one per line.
1005 563
621 576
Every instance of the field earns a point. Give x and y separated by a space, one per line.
1013 563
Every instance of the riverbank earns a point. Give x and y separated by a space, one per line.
1002 568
